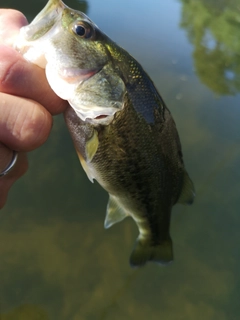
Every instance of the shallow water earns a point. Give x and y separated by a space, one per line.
58 262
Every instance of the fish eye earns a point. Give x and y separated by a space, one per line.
83 30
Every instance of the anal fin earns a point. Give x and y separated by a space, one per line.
114 213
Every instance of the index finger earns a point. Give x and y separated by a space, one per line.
18 76
10 21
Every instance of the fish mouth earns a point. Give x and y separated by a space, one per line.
76 75
67 78
44 21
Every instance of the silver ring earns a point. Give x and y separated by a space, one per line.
11 164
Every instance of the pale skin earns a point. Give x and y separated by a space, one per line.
27 103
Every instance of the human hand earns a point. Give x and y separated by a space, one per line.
27 103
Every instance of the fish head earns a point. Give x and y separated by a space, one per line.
77 60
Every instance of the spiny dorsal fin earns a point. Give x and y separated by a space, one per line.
188 193
114 213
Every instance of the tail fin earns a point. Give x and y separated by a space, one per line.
144 251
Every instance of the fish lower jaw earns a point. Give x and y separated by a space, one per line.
30 54
76 75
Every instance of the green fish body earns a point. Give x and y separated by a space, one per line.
124 135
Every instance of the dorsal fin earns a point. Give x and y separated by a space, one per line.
187 193
114 213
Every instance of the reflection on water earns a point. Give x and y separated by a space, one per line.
58 262
213 29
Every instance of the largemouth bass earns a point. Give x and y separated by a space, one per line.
124 134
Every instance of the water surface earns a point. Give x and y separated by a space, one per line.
58 262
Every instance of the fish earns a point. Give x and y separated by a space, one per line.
123 132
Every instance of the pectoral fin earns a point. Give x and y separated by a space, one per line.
86 168
114 213
188 193
90 151
91 146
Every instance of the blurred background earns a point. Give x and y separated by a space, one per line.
56 259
